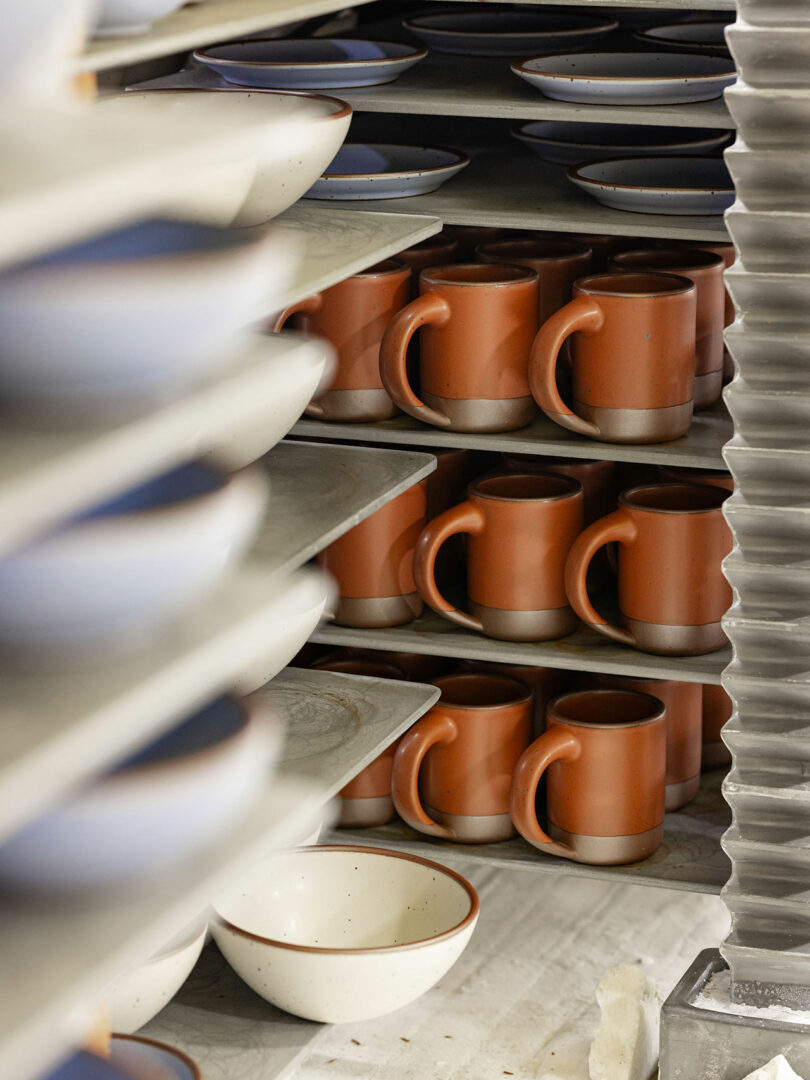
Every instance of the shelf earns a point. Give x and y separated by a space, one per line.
57 957
584 650
519 1002
201 23
700 449
653 5
690 858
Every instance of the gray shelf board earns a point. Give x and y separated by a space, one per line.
584 650
701 448
319 491
514 189
451 86
653 5
690 857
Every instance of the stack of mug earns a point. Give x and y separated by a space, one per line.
608 754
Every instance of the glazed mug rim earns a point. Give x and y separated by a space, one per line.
509 275
574 487
525 691
588 286
627 498
658 709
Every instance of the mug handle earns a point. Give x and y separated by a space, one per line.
618 526
309 305
432 730
429 309
464 518
556 744
581 314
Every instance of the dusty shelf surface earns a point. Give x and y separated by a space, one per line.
58 955
701 448
520 1001
584 650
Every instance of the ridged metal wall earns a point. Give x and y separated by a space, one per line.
768 788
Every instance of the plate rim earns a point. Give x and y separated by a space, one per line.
519 68
461 161
573 174
418 53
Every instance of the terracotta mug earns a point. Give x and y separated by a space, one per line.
603 756
366 800
353 315
632 349
479 323
728 255
683 702
415 667
672 593
713 477
468 237
438 250
557 263
705 270
520 530
717 709
546 683
373 564
602 246
453 769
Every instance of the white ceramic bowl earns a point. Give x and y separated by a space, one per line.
118 17
628 78
135 998
115 574
563 142
310 63
658 185
340 934
133 316
386 171
148 1059
507 33
285 162
158 808
709 36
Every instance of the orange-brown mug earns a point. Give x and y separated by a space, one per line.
713 477
438 250
373 564
520 528
546 683
415 667
366 800
717 709
683 702
353 315
705 270
604 757
632 349
557 263
728 255
453 769
468 237
479 323
672 593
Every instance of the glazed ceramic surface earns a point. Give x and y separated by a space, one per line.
631 343
297 135
147 1058
310 63
672 593
86 1066
557 263
507 33
564 143
520 529
604 754
708 36
133 316
628 78
123 17
656 185
341 934
160 806
135 998
116 573
386 171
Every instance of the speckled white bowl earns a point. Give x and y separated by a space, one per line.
340 934
135 998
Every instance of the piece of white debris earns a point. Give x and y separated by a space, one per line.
778 1068
625 1046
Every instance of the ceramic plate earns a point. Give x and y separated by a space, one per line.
310 63
703 36
386 171
145 1057
628 78
507 33
658 185
565 143
633 18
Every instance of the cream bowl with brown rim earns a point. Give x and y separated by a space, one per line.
340 934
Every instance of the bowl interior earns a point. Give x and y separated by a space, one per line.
190 481
627 65
139 1057
667 173
507 22
210 727
339 898
86 1066
613 135
307 51
366 159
